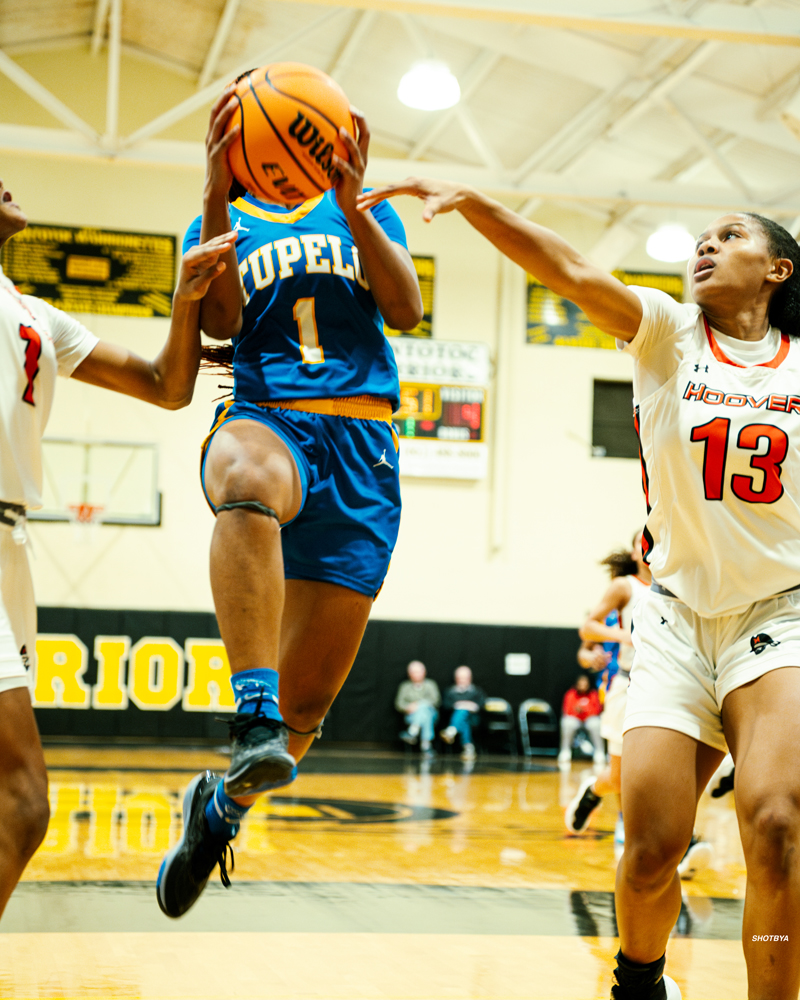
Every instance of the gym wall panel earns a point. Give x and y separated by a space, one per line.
364 710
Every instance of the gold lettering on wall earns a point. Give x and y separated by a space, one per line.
208 685
111 653
61 662
155 680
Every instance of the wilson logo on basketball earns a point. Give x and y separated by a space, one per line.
307 135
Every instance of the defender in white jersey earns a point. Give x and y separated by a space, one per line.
717 639
38 342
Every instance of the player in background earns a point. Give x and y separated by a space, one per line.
601 658
718 635
300 469
630 578
38 342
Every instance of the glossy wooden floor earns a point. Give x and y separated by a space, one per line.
373 876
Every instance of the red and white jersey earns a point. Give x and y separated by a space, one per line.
719 427
638 589
37 342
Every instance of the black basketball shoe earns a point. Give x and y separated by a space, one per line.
259 754
722 780
187 867
582 806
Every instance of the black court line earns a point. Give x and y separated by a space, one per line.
346 907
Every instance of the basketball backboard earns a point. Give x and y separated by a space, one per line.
114 482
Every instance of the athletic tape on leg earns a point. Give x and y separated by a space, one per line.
255 505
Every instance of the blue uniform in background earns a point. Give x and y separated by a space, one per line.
612 667
312 363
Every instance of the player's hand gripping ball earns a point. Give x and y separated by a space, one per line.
290 115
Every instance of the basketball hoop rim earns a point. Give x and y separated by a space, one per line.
85 513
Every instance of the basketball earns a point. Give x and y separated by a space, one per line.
290 115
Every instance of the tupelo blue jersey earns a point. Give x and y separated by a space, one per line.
310 326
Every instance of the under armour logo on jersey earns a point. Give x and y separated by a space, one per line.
697 368
382 461
758 643
243 229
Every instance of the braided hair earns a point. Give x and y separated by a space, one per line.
784 306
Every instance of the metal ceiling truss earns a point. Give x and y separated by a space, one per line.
725 22
544 174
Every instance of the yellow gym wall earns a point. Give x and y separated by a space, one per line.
520 547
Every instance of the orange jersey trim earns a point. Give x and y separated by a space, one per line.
720 355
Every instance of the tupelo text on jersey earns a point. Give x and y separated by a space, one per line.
715 397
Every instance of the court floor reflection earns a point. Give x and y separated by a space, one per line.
361 846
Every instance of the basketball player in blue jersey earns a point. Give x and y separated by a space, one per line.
300 469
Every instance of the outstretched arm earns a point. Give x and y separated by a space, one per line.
608 303
168 381
387 265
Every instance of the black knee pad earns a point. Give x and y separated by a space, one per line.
255 505
316 732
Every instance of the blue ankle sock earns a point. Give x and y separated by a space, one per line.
223 814
257 691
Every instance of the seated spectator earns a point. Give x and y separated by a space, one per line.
418 699
465 701
581 708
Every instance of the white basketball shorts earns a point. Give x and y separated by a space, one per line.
613 717
685 665
17 614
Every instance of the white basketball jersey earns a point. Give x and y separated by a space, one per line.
37 342
638 589
720 464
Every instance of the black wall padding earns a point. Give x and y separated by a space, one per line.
364 710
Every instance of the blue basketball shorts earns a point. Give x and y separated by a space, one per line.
349 517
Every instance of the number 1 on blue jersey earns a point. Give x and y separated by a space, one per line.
310 350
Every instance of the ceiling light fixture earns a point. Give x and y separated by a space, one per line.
430 86
671 243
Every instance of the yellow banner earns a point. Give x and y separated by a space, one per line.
426 274
554 320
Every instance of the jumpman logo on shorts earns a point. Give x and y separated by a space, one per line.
382 461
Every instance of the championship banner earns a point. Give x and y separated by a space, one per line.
426 273
93 270
441 420
552 319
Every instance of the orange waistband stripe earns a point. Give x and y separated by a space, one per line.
359 407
